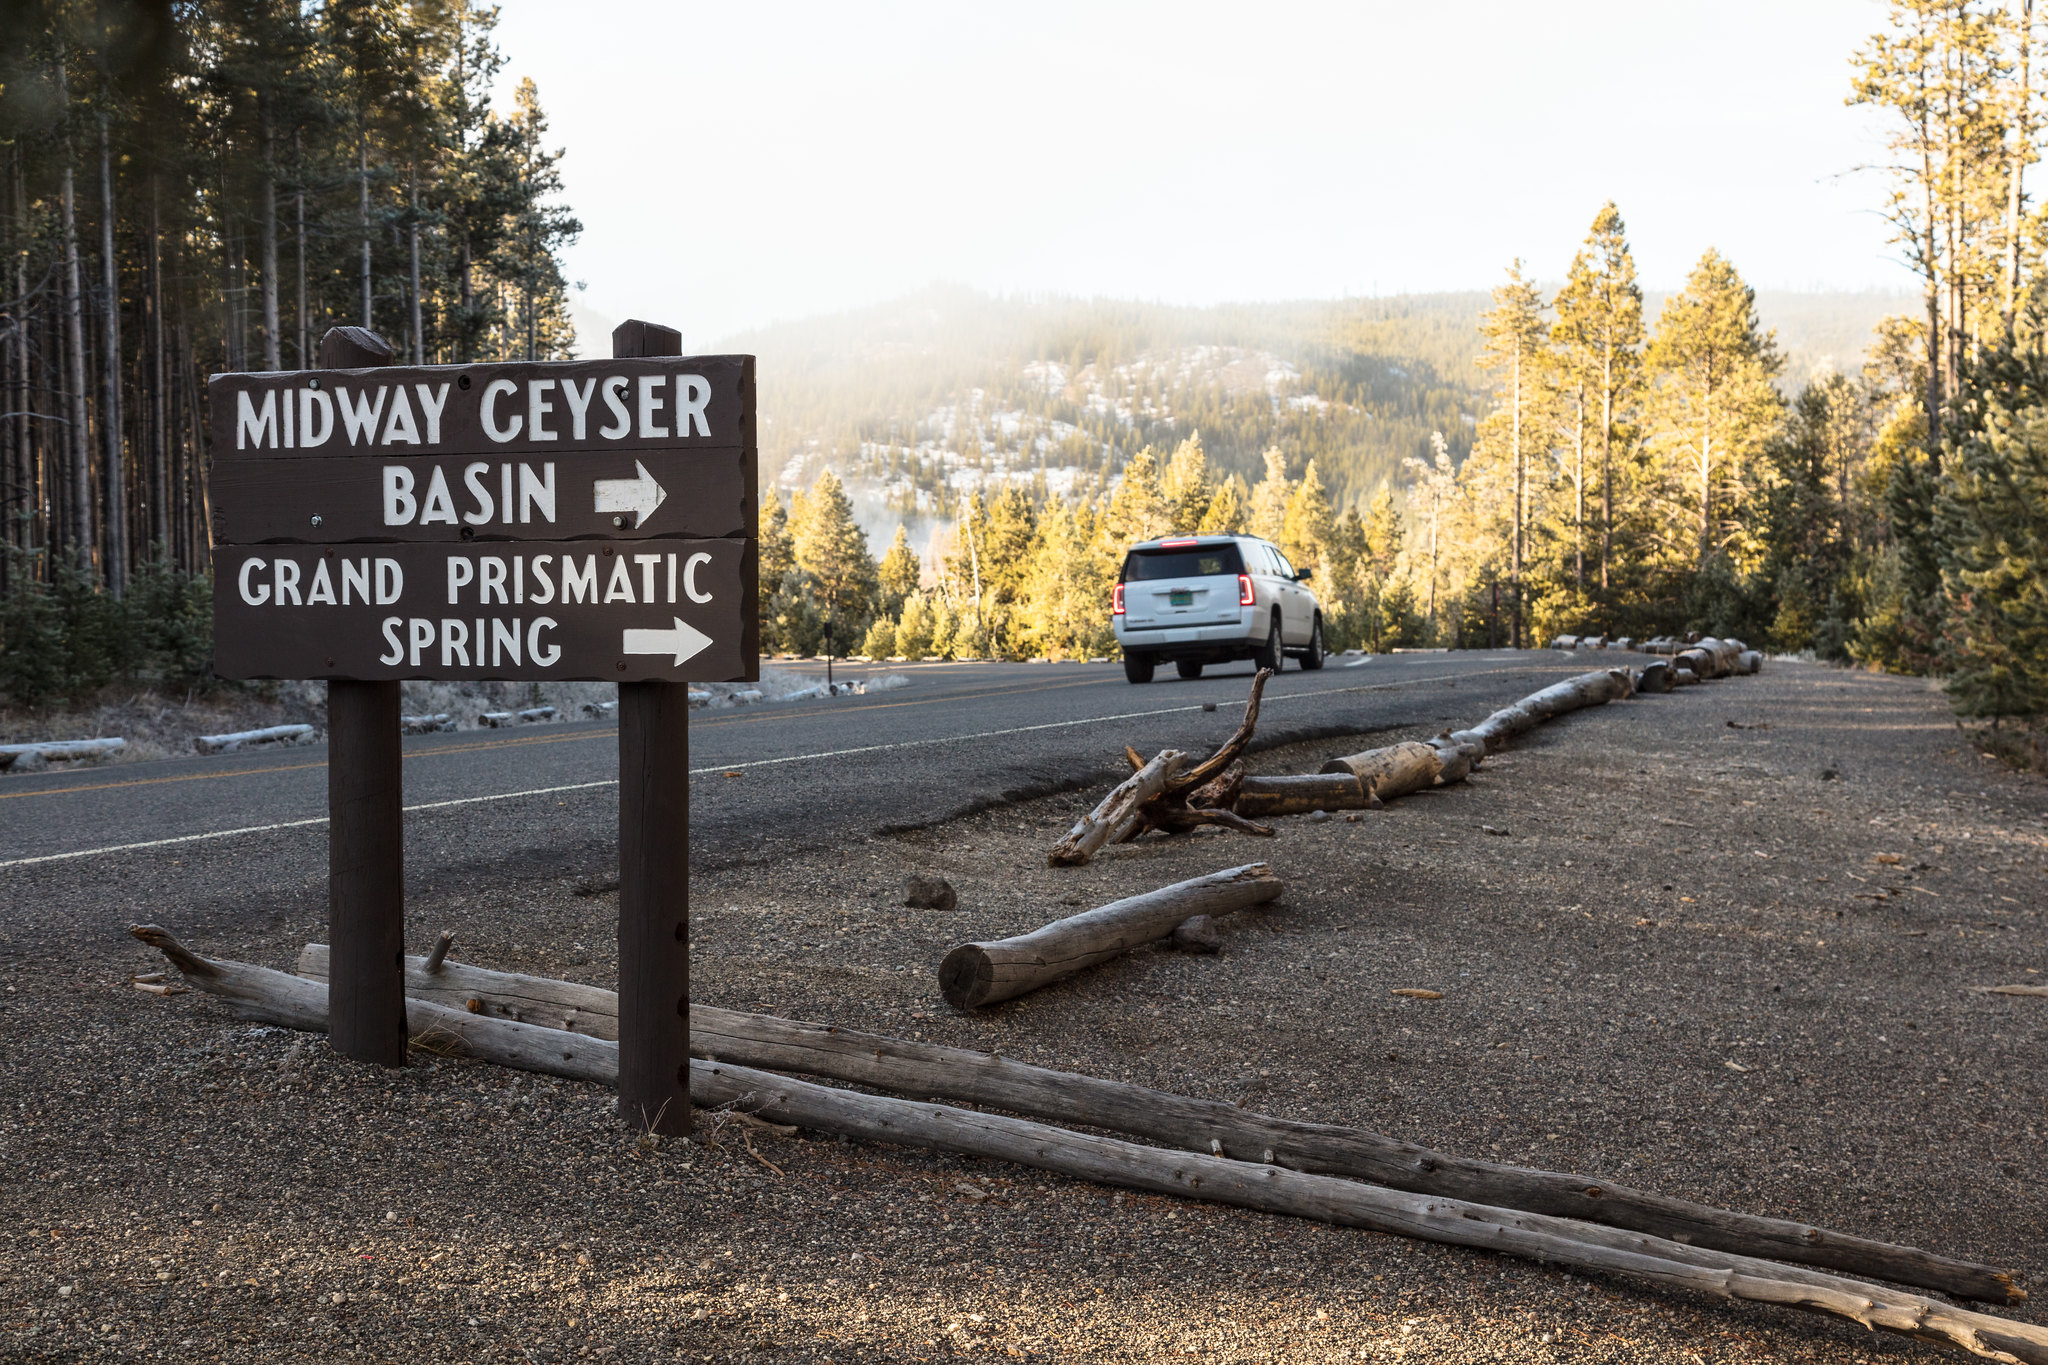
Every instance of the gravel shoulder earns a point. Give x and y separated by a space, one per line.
1719 945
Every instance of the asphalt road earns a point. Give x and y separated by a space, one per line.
235 846
957 738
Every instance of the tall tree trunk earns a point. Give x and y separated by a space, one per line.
1521 498
36 531
363 182
1706 470
112 429
466 332
273 357
79 449
412 229
1932 262
1606 463
159 376
1579 494
299 211
2021 150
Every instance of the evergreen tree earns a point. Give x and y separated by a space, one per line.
775 558
1715 407
1227 510
832 552
1305 533
1186 485
1268 518
1137 509
1513 334
898 575
1598 333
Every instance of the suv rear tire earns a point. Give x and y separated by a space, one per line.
1312 657
1137 667
1270 655
1188 668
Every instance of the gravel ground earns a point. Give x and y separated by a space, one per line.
1718 946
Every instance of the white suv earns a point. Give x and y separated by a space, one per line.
1200 600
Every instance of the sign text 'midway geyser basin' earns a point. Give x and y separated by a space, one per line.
552 520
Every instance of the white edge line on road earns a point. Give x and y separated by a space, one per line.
726 768
289 824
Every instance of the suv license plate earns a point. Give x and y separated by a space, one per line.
1181 597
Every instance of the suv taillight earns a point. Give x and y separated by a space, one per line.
1117 601
1244 591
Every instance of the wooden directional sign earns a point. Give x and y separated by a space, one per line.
583 519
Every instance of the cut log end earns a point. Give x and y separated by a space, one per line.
966 977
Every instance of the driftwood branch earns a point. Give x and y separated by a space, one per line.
1276 1189
1228 754
1116 811
977 974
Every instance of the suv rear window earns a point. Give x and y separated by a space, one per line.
1205 561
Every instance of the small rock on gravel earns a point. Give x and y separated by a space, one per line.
1197 934
929 893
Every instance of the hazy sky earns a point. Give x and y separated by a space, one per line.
736 164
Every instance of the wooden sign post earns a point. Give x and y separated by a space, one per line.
518 521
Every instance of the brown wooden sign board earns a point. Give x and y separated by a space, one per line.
334 500
529 521
513 408
644 609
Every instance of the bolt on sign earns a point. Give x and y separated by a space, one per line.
589 519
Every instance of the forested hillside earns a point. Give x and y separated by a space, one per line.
920 399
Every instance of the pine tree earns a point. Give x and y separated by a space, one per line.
1598 333
1382 530
898 575
1305 533
1227 510
1137 509
775 558
1186 485
1714 403
832 551
1514 333
1993 517
1268 519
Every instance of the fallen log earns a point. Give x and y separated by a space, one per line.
227 744
927 1069
1298 794
977 974
1749 661
275 997
1394 770
1116 810
1655 677
1457 757
538 1000
1276 1189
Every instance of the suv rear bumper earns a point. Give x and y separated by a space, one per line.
1220 640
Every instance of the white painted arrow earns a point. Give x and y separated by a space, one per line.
683 641
639 496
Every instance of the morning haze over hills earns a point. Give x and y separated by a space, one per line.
968 391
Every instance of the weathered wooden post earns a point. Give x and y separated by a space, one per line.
654 867
365 829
